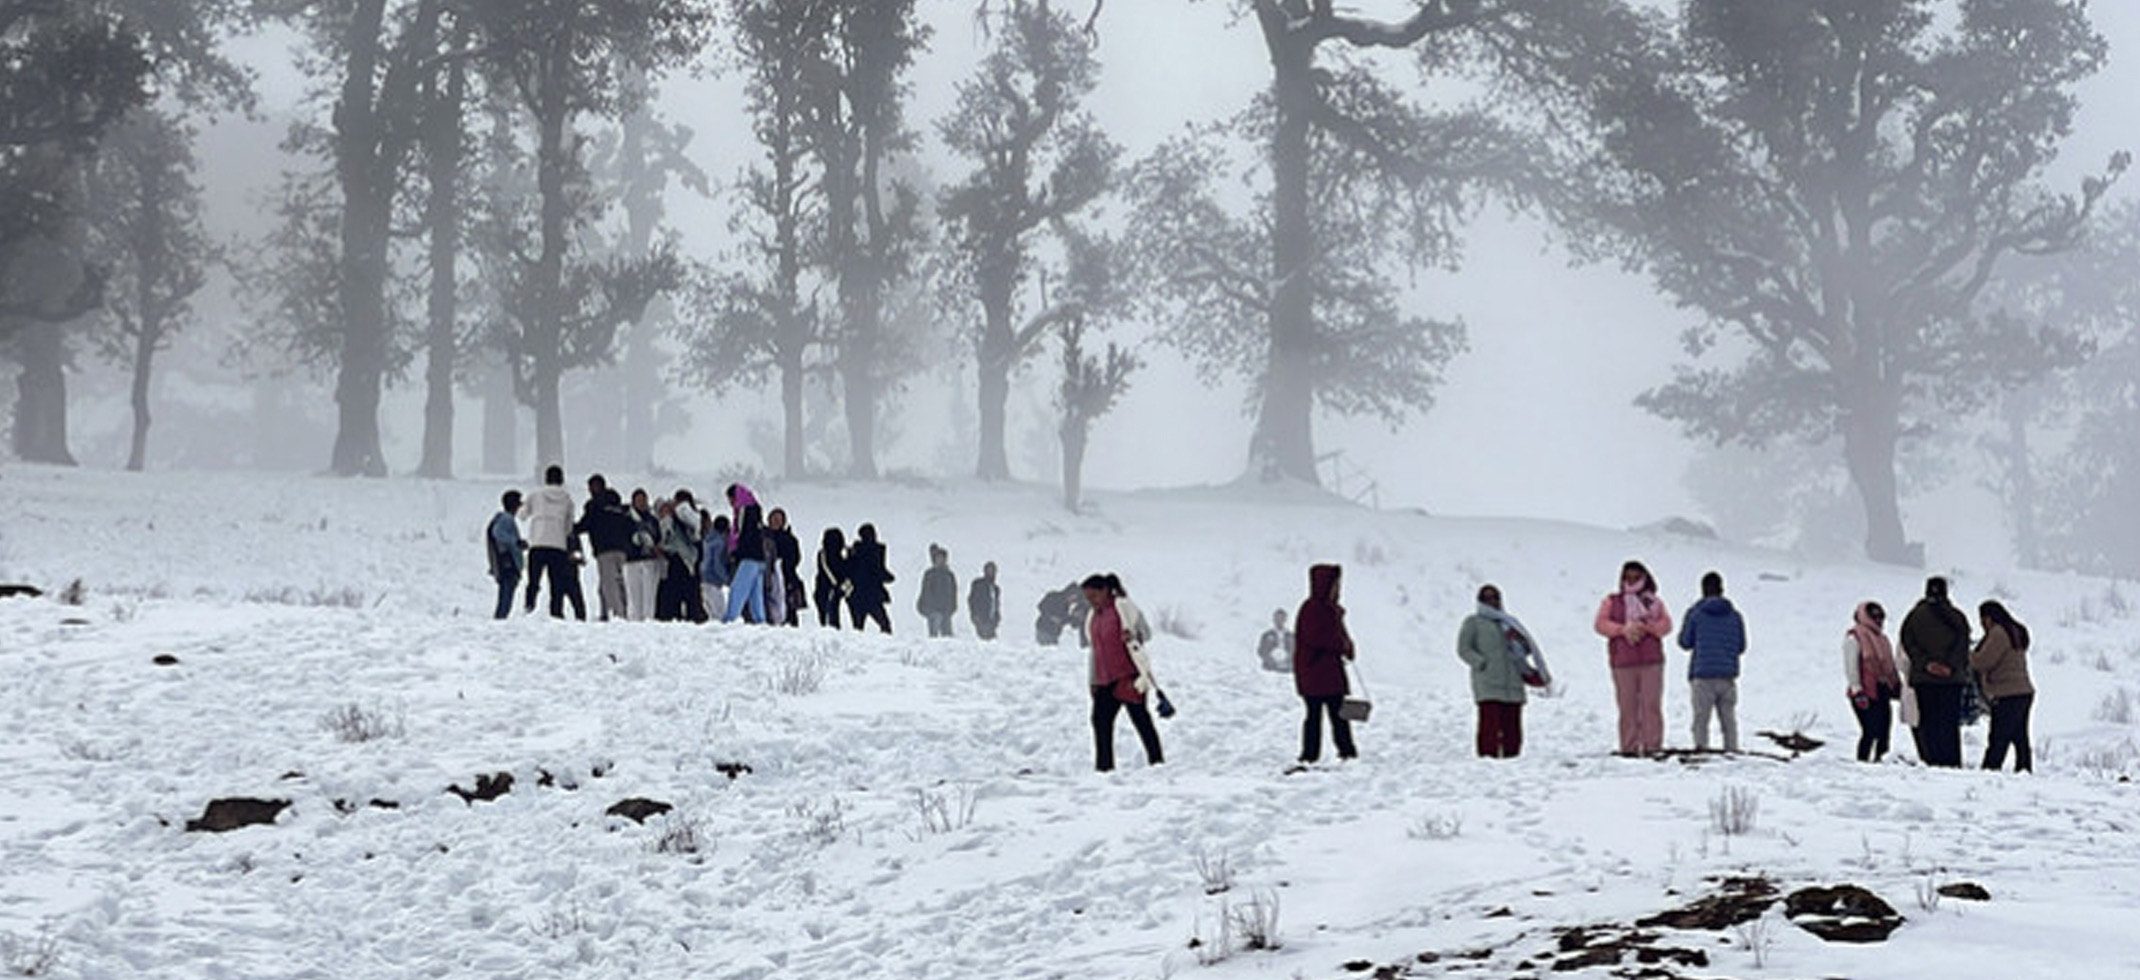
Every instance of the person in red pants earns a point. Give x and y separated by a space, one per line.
1504 660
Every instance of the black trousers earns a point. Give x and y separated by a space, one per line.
556 565
865 615
1105 706
678 598
1311 730
2010 728
828 610
1875 721
1939 725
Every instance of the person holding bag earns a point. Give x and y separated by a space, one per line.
1504 660
1321 650
1874 679
1121 674
1633 622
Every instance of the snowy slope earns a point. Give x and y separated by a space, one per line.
928 811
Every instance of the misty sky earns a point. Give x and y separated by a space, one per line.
1537 418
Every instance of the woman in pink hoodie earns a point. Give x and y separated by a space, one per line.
1633 621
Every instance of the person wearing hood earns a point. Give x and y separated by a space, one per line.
643 564
1504 659
739 498
831 587
939 598
508 553
1275 647
1121 675
871 579
1935 636
2002 660
1634 622
984 603
680 534
551 545
1716 634
746 593
1321 649
1873 679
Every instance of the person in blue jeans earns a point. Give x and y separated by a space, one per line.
746 592
508 553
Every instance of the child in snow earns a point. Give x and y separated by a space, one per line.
506 550
1121 671
1275 647
984 602
1633 622
1874 679
1716 634
1321 648
939 599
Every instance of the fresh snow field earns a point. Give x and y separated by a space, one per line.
929 809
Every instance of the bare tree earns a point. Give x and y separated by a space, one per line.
1091 385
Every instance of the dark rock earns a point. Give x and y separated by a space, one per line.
164 660
638 809
20 592
1594 956
487 788
74 621
1504 912
732 769
1429 956
1739 900
1359 966
232 813
1795 742
1967 891
1842 914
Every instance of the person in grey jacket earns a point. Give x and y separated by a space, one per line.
1503 658
508 553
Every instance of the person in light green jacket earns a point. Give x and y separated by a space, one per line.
1504 660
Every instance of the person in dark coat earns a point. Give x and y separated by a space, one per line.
1935 636
608 525
1321 648
1059 610
682 526
871 579
643 561
787 559
984 602
831 585
508 553
939 599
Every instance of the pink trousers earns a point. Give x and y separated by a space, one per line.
1641 695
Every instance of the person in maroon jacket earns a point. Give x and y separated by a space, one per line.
1320 649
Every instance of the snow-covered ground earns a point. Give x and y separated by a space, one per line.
929 809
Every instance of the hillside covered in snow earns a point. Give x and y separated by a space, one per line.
849 806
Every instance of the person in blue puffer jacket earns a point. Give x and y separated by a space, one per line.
1716 633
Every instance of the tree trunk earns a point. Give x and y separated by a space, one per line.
1283 447
546 325
501 422
144 363
1870 435
1074 439
791 413
995 359
2022 488
367 213
442 135
858 370
41 394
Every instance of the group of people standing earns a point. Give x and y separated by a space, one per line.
1935 674
671 560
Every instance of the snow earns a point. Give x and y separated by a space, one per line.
285 598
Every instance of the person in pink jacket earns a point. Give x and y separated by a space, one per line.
1633 622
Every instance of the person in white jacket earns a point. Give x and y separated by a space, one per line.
549 513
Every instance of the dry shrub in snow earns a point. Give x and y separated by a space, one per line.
1255 922
1215 871
1437 826
75 594
346 597
356 723
822 824
947 809
800 673
682 834
35 956
1755 938
1732 813
2116 707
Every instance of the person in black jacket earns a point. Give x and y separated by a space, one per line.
746 591
867 573
787 555
608 526
1058 610
1936 638
643 562
984 602
939 599
831 585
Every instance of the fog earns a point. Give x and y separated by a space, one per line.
1536 418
